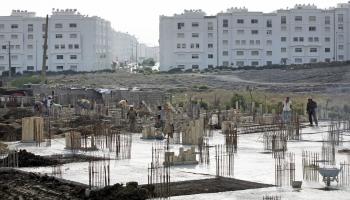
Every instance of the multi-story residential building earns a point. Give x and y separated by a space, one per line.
75 42
237 37
124 47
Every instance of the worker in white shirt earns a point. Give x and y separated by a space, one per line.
287 110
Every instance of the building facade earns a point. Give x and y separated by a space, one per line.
75 42
237 37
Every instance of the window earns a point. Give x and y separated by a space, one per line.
298 18
210 56
178 46
257 42
59 57
30 37
237 42
183 46
58 25
310 39
312 18
180 25
254 21
251 42
327 50
269 42
30 27
298 60
3 47
73 35
340 47
195 66
14 57
29 46
313 50
298 50
14 36
269 32
225 53
240 32
210 46
17 47
283 39
192 46
313 60
74 67
283 19
340 57
225 32
225 23
195 56
210 35
301 39
57 46
295 39
72 25
210 66
312 28
340 27
73 57
195 35
225 63
195 24
76 46
255 63
29 57
243 42
298 29
327 39
255 32
63 46
283 50
197 46
327 29
340 18
254 53
59 67
180 35
240 63
240 21
240 53
316 39
210 26
327 20
14 26
269 23
225 42
269 53
70 46
59 36
30 68
268 63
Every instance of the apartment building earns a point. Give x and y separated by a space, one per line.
237 37
75 42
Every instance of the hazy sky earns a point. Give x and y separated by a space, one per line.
141 17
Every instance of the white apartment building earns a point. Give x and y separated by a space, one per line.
75 42
124 47
237 37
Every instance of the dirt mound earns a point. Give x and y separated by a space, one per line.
117 191
10 132
18 113
27 159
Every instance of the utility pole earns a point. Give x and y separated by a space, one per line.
137 62
10 59
43 69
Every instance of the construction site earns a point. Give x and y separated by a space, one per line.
141 141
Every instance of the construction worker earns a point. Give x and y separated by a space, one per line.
123 104
131 115
311 108
287 110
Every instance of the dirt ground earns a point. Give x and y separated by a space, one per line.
333 80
